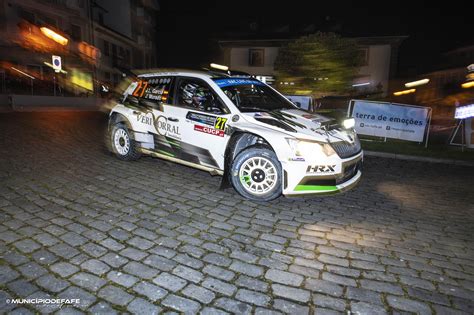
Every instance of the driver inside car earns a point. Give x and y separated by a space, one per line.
200 98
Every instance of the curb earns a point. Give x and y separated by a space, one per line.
417 158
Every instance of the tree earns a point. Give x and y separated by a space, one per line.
320 64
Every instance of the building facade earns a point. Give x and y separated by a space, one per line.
257 57
26 51
125 32
447 87
97 42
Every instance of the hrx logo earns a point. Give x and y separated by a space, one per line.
321 169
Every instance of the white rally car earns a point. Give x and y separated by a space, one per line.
237 127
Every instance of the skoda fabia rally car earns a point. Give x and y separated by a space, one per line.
237 127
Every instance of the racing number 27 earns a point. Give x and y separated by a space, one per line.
220 123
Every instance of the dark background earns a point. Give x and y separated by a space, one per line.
188 31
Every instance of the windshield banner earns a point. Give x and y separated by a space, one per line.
232 81
389 120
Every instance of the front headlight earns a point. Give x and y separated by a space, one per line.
348 123
309 148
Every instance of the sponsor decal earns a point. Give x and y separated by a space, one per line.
229 82
321 169
165 128
220 123
201 118
211 131
144 119
298 159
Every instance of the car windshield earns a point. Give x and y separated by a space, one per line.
251 95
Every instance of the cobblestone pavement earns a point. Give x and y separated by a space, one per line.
154 237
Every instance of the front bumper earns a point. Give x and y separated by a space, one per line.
297 180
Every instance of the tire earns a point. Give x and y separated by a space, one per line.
122 143
256 174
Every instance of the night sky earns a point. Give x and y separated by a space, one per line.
187 31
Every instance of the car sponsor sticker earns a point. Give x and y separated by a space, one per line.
229 82
144 118
321 169
209 130
220 123
201 118
165 128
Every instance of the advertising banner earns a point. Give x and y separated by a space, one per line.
390 120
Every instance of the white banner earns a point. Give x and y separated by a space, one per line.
390 120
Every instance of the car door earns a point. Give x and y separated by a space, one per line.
152 96
202 118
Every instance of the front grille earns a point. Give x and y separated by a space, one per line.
345 149
349 172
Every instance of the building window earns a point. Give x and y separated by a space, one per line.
49 21
27 16
127 56
256 57
76 32
364 56
106 48
116 79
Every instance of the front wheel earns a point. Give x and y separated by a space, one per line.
256 174
122 143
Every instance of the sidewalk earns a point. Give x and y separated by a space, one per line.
418 158
29 103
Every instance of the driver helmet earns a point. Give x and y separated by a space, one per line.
193 94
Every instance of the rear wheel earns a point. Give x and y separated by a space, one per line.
122 143
256 174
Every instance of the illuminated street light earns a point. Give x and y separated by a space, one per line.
467 85
220 67
54 36
404 92
361 84
24 73
417 83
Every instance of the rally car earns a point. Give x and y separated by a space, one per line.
237 127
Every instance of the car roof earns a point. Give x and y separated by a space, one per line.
174 71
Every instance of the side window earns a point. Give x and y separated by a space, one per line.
196 94
152 91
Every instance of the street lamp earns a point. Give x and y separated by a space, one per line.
54 36
404 92
219 67
417 83
467 85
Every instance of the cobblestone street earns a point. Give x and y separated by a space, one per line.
153 237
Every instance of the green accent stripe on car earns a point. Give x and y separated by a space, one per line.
315 188
166 153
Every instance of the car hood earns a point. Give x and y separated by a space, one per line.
298 123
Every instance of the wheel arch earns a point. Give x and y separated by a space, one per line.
239 141
116 117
